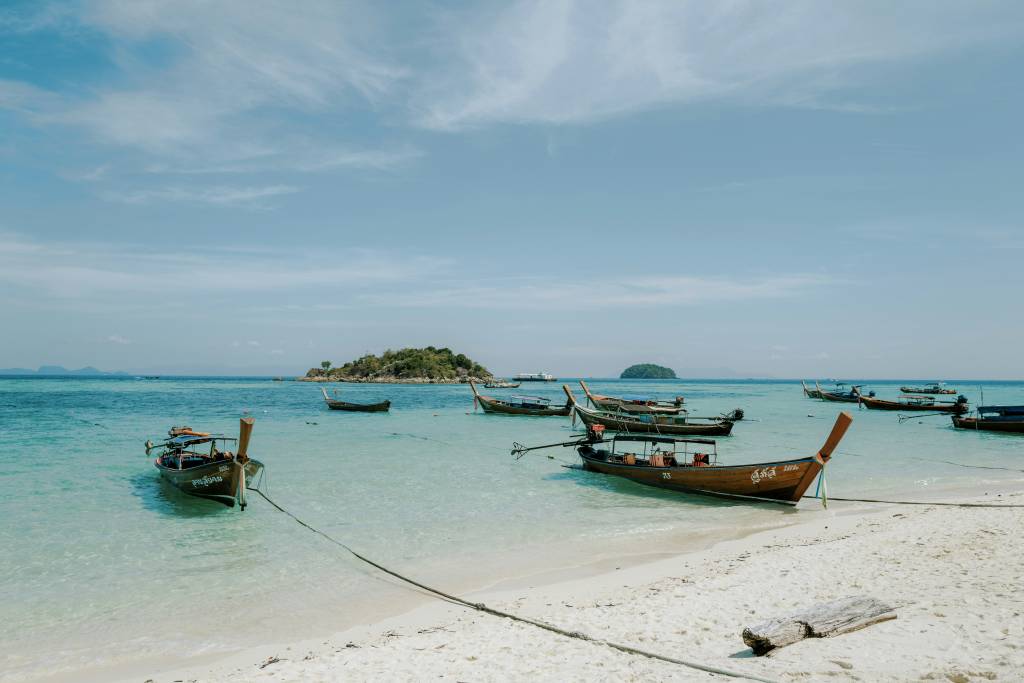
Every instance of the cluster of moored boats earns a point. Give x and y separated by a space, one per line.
923 399
647 440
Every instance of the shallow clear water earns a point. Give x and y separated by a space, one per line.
103 563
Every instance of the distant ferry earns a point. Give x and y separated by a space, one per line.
535 377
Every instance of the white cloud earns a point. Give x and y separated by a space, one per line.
610 292
218 195
564 61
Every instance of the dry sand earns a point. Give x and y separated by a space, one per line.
952 573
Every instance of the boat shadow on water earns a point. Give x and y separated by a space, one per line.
157 495
653 497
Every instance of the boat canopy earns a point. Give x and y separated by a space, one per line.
661 439
1002 410
191 440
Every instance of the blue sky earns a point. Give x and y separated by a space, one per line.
790 189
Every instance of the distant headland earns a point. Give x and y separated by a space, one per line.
647 371
56 370
429 365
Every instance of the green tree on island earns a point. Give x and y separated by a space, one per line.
647 371
326 365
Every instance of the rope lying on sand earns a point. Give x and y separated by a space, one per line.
922 502
479 606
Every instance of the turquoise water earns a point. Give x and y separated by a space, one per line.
103 564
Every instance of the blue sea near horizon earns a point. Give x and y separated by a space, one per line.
103 563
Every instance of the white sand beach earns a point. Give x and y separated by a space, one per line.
952 573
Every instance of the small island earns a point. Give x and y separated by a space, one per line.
647 371
429 365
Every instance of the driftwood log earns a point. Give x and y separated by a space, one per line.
821 621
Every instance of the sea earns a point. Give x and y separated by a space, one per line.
106 568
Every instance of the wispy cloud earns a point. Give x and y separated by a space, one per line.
251 197
118 339
605 293
565 61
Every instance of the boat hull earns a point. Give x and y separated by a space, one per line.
492 406
1006 426
654 426
217 481
382 407
776 482
838 398
882 404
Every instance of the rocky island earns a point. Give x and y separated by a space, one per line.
429 365
647 371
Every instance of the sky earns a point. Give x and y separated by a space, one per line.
797 189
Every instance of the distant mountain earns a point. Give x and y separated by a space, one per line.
56 370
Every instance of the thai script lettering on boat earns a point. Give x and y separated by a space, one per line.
206 481
764 473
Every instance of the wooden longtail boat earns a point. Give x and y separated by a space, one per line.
501 384
518 405
215 474
851 396
648 423
934 388
919 403
629 405
691 465
335 404
810 393
993 419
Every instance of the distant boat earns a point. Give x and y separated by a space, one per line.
534 377
336 404
518 405
993 419
501 384
810 393
839 396
651 423
217 475
633 404
915 402
691 465
934 388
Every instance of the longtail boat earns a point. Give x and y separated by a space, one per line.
633 405
933 388
650 423
214 474
336 404
518 405
501 384
810 393
839 396
993 419
691 465
915 402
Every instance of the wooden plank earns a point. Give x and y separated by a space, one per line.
820 621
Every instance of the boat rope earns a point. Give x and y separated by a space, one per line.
924 502
481 607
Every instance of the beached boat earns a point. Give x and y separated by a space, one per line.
933 388
691 465
651 423
336 404
215 474
993 419
633 404
840 396
518 405
501 384
534 377
810 393
915 402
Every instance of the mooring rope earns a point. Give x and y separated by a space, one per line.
481 607
922 502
